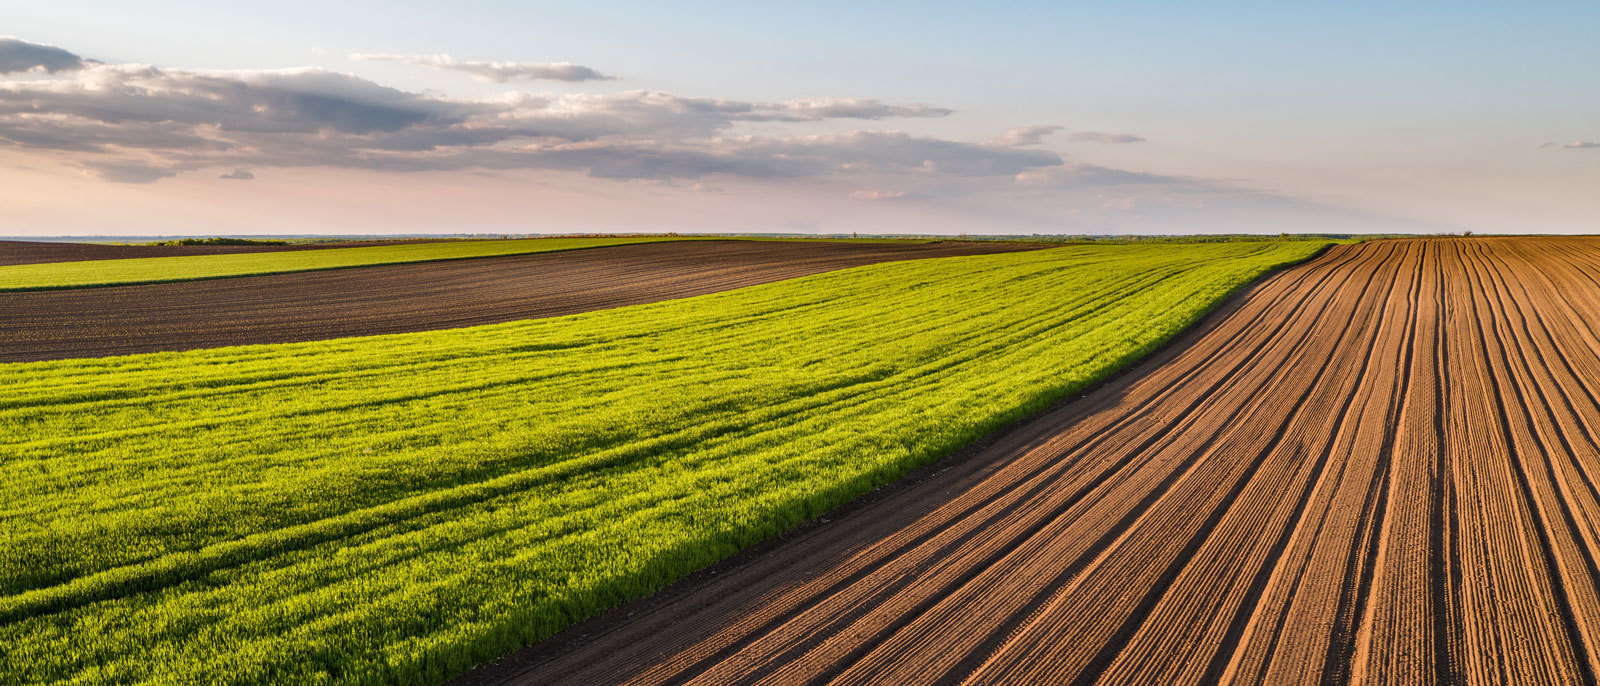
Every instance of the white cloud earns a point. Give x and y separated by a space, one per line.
1100 137
874 194
850 108
1026 135
494 72
138 124
1575 145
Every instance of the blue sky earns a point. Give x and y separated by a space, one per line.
1249 116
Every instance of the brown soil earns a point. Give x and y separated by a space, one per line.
94 322
1378 467
35 252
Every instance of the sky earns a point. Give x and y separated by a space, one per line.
291 117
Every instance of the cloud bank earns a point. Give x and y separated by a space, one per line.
135 123
1575 145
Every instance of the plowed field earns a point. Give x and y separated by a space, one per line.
40 252
1378 467
184 315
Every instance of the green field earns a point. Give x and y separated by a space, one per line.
392 509
21 277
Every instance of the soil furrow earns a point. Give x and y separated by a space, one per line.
1379 466
1036 482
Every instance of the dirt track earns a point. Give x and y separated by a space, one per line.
39 252
93 322
1378 467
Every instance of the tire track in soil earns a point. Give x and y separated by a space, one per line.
1376 467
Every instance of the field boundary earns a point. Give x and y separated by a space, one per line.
296 253
418 296
273 272
506 669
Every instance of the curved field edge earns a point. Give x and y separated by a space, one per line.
146 270
396 508
150 270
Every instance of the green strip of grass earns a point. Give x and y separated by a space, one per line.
22 277
392 509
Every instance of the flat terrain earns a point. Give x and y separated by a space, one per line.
386 509
39 252
1379 467
147 270
118 320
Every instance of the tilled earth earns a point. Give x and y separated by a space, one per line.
1378 467
279 308
39 252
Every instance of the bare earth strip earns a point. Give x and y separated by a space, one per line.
119 320
40 252
1378 467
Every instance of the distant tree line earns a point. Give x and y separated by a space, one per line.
218 241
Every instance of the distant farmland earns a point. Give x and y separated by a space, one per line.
393 509
37 252
418 296
23 277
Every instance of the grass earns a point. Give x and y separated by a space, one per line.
21 277
393 509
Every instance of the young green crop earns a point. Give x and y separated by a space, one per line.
21 277
392 509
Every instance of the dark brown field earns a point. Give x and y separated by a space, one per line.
1379 467
279 308
36 252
